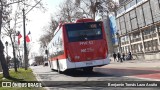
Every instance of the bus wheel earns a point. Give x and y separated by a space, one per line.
58 67
88 69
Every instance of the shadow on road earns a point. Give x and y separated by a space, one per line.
124 72
100 72
109 72
81 73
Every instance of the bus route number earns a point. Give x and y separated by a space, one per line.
86 43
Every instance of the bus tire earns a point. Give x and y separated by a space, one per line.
58 67
88 69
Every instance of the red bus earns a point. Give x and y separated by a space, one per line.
78 45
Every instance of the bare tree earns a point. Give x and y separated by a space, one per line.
48 33
88 7
68 11
5 16
11 35
10 31
91 8
108 6
75 9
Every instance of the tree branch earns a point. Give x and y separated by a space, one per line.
13 2
34 6
6 30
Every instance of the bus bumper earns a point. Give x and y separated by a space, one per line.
91 63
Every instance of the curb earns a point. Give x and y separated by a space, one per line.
39 79
135 61
143 78
134 64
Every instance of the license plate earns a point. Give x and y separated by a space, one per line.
89 63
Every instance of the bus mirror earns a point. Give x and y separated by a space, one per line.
46 51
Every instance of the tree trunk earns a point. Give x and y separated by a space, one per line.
14 54
3 61
2 58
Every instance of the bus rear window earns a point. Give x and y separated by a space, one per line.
84 31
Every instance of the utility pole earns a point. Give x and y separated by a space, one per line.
24 30
25 48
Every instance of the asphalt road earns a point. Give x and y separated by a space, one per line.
101 79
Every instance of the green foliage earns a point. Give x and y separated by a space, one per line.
21 75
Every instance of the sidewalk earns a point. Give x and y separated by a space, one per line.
134 64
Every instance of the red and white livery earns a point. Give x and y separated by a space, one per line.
78 45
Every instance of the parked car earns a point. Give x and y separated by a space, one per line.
35 64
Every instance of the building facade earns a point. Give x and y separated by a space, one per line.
138 27
109 23
106 23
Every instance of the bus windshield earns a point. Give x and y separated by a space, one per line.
84 31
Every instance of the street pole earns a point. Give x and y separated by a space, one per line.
46 52
24 30
25 48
